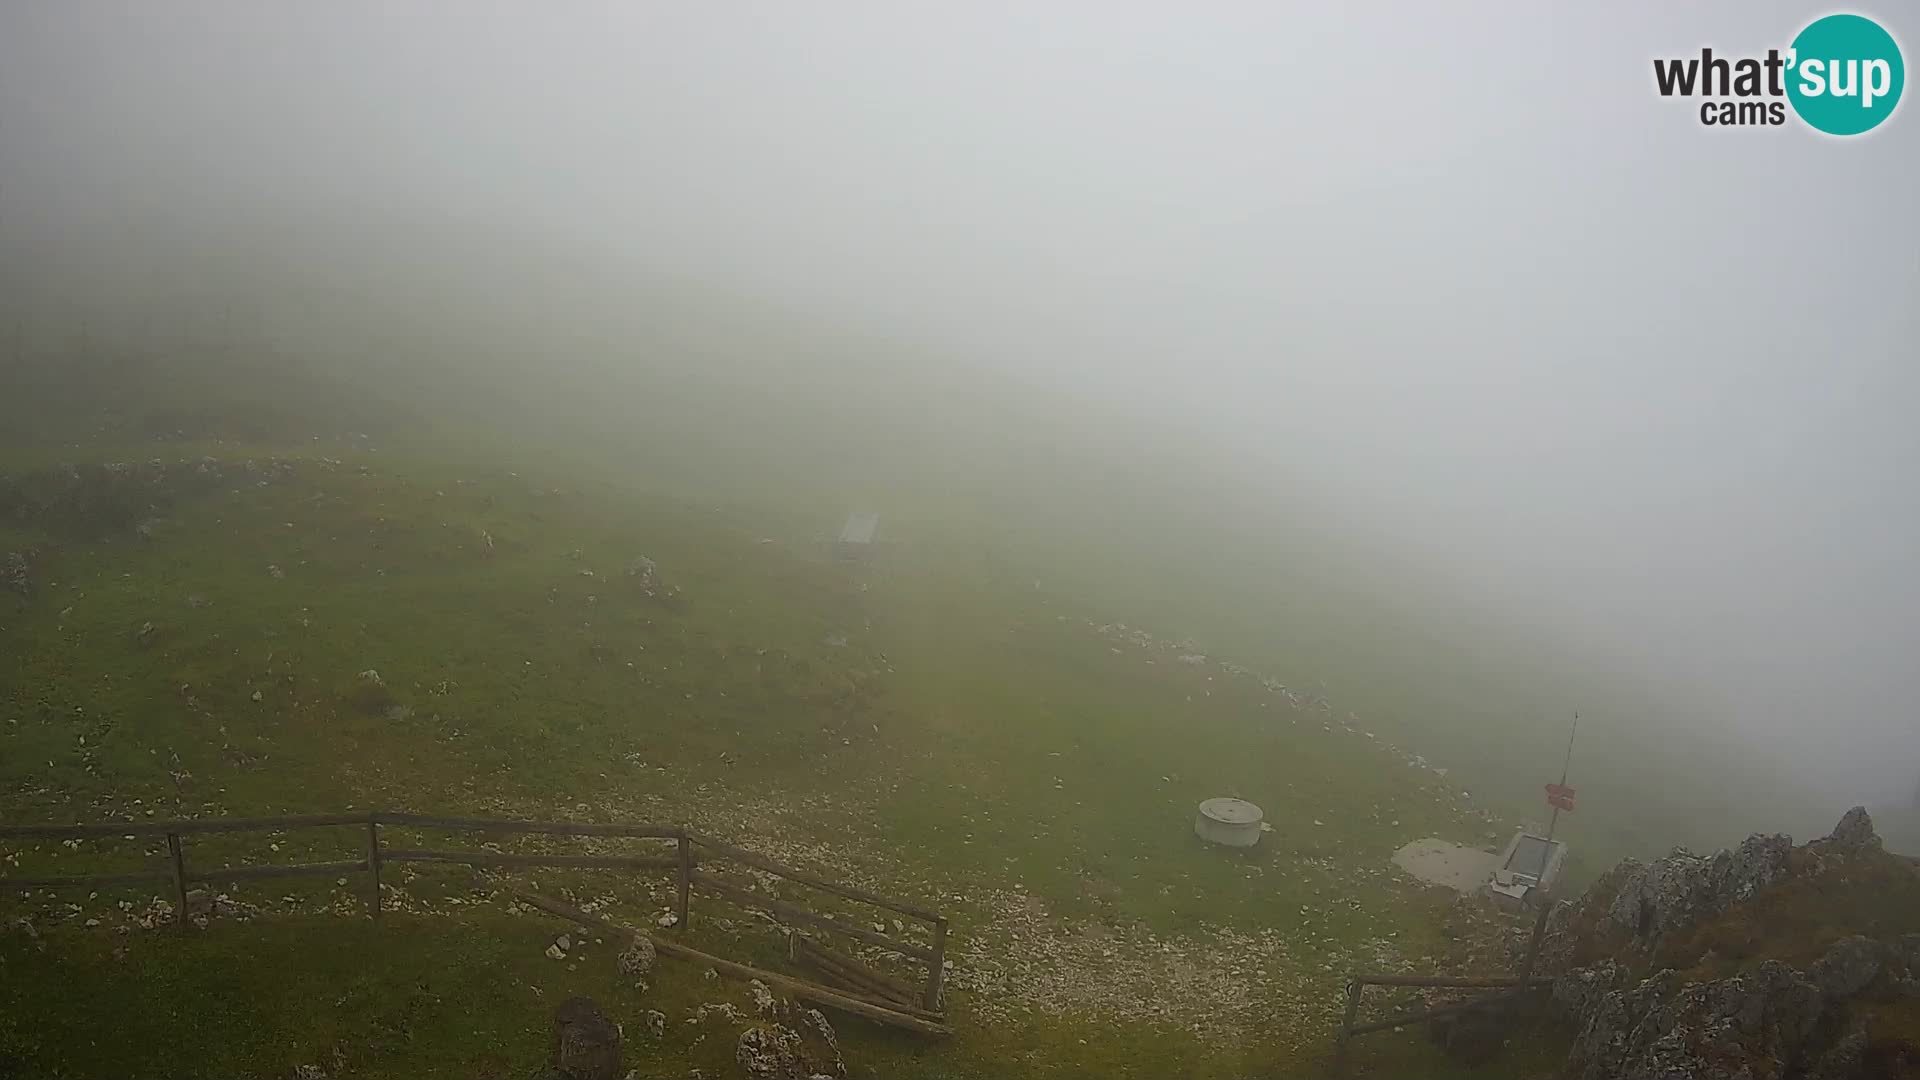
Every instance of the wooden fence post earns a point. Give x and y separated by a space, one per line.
1533 944
1339 1068
937 967
686 877
373 863
179 879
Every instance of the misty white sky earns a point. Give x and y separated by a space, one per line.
1647 380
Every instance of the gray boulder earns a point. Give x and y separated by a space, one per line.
770 1052
1849 966
806 1051
636 960
1853 833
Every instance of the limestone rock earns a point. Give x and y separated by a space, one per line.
769 1052
1848 966
1760 1023
775 1051
15 573
1579 992
1679 889
636 960
1853 833
762 997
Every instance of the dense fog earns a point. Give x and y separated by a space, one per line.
1444 306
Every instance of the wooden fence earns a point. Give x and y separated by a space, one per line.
1502 990
683 860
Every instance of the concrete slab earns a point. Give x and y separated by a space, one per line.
1437 862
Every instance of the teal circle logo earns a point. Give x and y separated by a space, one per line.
1845 74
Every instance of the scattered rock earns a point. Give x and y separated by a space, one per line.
257 695
822 1047
145 632
636 960
309 1072
16 573
555 952
654 1023
1193 659
778 1052
763 1002
667 920
275 572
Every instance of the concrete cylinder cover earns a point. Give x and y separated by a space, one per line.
1233 822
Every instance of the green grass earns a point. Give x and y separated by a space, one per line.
973 743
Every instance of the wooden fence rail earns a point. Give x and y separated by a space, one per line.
683 860
1506 989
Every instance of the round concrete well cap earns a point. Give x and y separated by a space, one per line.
1230 811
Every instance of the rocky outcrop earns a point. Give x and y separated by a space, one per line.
1766 1019
1682 888
1758 1024
1849 966
1854 833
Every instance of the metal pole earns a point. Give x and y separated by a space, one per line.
1554 821
1533 945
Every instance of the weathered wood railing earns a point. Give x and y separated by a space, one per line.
1504 989
682 861
934 956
